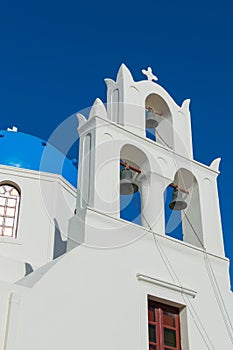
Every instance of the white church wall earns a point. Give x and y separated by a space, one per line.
50 200
95 297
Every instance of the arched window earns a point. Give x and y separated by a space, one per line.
9 209
133 185
182 209
130 200
158 120
173 218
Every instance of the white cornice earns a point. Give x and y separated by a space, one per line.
167 285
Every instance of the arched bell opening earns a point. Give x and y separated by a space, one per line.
158 120
173 218
130 198
133 163
182 209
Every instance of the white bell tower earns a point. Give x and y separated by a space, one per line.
117 131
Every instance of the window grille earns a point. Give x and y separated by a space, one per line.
9 210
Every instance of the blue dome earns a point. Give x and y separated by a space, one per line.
29 152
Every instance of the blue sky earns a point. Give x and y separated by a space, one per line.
55 55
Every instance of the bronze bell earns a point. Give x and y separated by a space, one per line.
126 182
177 202
151 118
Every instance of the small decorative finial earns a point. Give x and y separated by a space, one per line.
215 164
149 74
14 129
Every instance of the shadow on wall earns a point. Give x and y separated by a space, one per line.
28 269
59 247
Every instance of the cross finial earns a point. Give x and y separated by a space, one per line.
149 74
13 129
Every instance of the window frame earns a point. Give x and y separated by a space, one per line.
6 208
156 321
167 293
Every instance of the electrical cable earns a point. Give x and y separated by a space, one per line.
198 238
210 272
195 317
166 144
172 273
215 286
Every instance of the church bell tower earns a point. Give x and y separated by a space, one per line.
115 135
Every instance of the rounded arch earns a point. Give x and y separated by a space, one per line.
163 132
135 156
184 222
10 194
11 183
